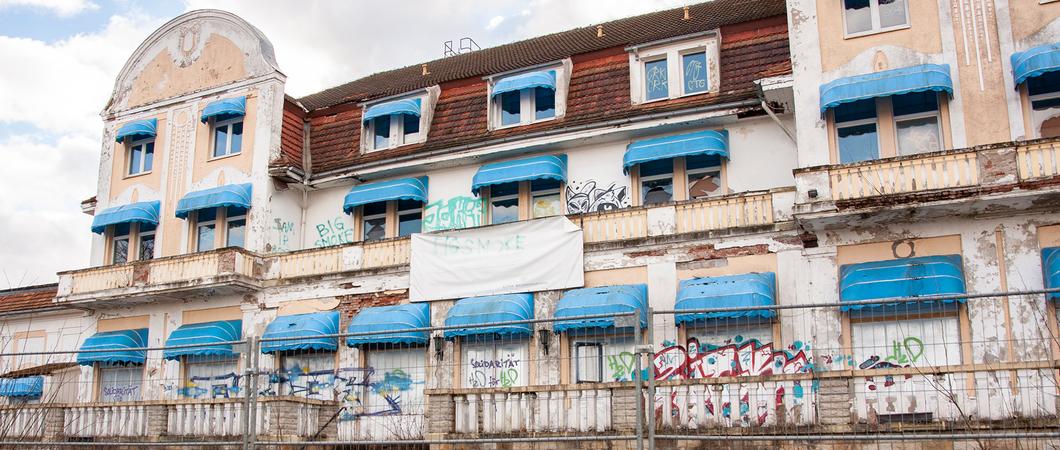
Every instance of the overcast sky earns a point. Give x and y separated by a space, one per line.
60 58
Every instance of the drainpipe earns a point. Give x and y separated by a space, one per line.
307 168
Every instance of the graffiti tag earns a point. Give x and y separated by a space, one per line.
585 197
333 232
453 213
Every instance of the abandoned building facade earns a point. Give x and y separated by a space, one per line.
705 204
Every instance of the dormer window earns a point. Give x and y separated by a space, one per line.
394 123
528 97
673 70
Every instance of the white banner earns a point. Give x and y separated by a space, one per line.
535 255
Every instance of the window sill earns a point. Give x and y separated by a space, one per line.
365 151
880 31
521 124
218 158
136 175
692 94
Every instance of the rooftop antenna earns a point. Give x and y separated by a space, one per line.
466 45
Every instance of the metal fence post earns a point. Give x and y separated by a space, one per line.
651 379
250 401
639 400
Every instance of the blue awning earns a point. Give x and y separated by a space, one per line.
215 334
237 195
397 318
547 167
122 345
409 106
708 142
490 309
1051 269
543 79
601 300
906 277
225 109
1035 61
137 129
30 387
139 212
302 332
922 78
403 189
729 291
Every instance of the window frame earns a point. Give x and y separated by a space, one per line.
391 226
466 342
195 231
186 364
398 138
887 129
680 182
228 227
229 123
674 52
385 215
525 198
527 98
874 17
99 369
130 148
284 361
937 114
857 123
702 170
140 240
114 239
134 237
1033 121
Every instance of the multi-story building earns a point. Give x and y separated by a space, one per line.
483 246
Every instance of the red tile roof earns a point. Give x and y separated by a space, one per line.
617 33
291 135
599 91
27 298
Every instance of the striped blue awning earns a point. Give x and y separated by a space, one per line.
122 347
137 129
394 320
547 167
1051 269
543 79
490 309
729 291
708 142
139 212
906 277
409 106
1035 61
302 332
210 336
237 195
28 387
403 189
224 109
922 78
601 300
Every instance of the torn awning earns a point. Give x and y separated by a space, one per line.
28 387
907 277
539 79
308 331
137 129
628 298
922 78
209 339
546 167
224 109
401 189
409 107
237 195
1035 61
491 309
139 212
707 142
392 324
729 291
1051 270
114 347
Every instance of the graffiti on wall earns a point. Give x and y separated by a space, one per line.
333 232
363 391
217 386
502 372
284 231
621 366
585 197
453 213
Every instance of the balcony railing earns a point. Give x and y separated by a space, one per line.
955 173
234 268
571 408
241 269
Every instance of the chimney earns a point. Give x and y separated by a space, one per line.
686 17
425 71
599 31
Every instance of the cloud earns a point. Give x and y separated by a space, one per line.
61 8
496 20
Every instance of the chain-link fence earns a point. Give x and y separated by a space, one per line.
978 369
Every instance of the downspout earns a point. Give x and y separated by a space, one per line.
307 168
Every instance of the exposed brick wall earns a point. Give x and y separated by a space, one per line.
350 305
292 136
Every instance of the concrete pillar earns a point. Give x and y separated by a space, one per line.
157 420
441 417
833 403
624 409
